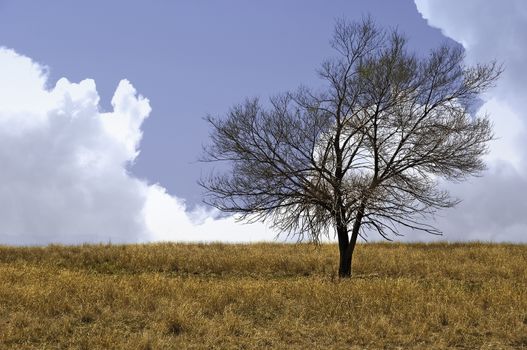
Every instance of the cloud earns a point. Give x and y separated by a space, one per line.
168 219
64 175
493 206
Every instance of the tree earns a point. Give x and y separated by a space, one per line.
364 154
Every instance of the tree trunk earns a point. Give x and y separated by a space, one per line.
345 258
345 264
346 248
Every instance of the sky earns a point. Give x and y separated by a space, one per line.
102 106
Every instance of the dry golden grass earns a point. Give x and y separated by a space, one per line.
176 296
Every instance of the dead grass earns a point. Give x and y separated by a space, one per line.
177 296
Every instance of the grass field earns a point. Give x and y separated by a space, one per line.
263 296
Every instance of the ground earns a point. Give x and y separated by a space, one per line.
263 296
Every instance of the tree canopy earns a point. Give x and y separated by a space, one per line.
366 153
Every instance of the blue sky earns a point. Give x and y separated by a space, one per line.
190 58
194 58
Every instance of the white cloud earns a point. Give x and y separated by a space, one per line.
492 30
169 220
494 205
64 171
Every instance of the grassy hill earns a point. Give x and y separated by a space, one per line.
262 296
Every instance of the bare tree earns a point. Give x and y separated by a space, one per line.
364 154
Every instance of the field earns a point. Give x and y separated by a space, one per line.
263 296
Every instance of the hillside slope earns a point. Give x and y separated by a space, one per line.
261 296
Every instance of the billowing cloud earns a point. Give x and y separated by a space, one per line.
64 171
493 206
168 219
